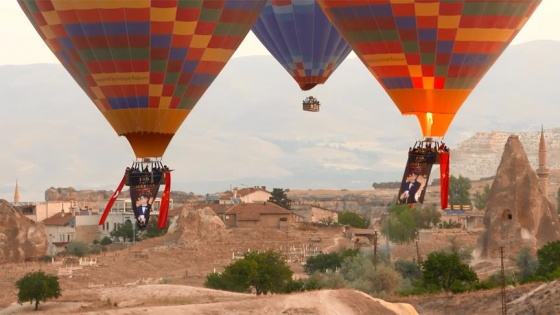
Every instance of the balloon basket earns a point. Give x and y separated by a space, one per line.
311 104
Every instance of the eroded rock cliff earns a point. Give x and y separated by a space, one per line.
20 237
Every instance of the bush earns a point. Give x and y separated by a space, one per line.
408 269
106 241
45 259
78 248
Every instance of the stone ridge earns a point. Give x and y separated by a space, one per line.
479 156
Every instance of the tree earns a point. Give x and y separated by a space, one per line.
408 269
106 241
445 271
125 231
481 198
549 260
459 190
329 261
353 219
399 226
527 263
153 230
426 217
78 248
37 286
279 196
264 272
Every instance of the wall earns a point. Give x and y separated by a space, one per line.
318 214
256 196
87 228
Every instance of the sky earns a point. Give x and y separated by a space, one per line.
22 45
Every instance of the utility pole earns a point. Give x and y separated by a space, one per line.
504 305
375 250
417 238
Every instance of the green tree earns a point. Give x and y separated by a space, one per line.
78 248
445 271
459 190
37 286
426 217
399 226
549 260
527 263
264 272
353 219
408 269
153 230
481 198
327 261
125 231
279 196
106 241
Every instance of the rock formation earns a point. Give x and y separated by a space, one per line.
20 237
517 213
199 224
478 156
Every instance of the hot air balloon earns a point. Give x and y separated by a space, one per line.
144 64
429 55
301 38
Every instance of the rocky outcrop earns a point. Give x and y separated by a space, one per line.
199 224
71 194
479 156
93 196
20 237
517 215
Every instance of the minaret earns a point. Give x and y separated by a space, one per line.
16 193
543 172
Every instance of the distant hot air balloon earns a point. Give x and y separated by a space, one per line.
301 38
144 64
429 54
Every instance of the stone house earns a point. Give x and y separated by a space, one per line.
254 215
314 214
245 195
467 219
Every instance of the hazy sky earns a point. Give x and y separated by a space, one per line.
22 45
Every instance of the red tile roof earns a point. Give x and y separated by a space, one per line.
59 219
253 211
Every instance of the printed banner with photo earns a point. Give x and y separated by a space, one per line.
415 177
144 187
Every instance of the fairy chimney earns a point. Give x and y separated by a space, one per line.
518 214
20 237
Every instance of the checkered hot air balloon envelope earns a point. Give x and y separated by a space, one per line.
144 64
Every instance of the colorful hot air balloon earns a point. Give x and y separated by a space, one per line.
301 38
144 64
429 55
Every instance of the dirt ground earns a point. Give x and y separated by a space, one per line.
165 275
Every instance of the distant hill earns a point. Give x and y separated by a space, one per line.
249 128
